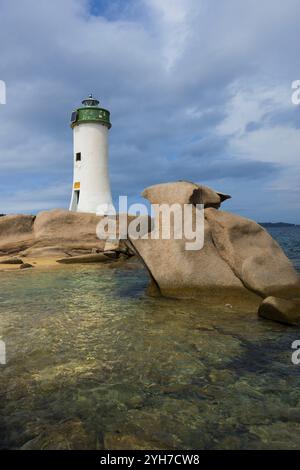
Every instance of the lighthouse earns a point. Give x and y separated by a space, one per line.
91 188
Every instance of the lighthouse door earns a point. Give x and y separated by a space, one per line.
75 200
77 194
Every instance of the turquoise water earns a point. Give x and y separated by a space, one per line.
92 362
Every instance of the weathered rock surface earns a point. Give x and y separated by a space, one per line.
252 254
16 233
69 230
281 310
182 273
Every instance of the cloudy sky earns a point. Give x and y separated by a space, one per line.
197 89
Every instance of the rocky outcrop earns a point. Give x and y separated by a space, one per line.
56 233
281 310
238 254
50 232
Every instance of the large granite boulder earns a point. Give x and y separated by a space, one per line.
281 310
238 255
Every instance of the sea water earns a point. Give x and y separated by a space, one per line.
92 362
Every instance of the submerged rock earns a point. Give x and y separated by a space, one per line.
119 441
280 310
67 435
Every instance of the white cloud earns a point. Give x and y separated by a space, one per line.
172 21
251 103
268 142
277 145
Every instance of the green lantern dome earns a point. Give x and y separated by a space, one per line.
90 113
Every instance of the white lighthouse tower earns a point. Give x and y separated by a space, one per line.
91 188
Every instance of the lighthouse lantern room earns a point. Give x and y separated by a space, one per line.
91 188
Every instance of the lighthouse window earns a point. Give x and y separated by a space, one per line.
78 157
74 116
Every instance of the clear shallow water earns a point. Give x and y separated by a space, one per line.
95 363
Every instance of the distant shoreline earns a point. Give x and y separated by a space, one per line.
277 224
